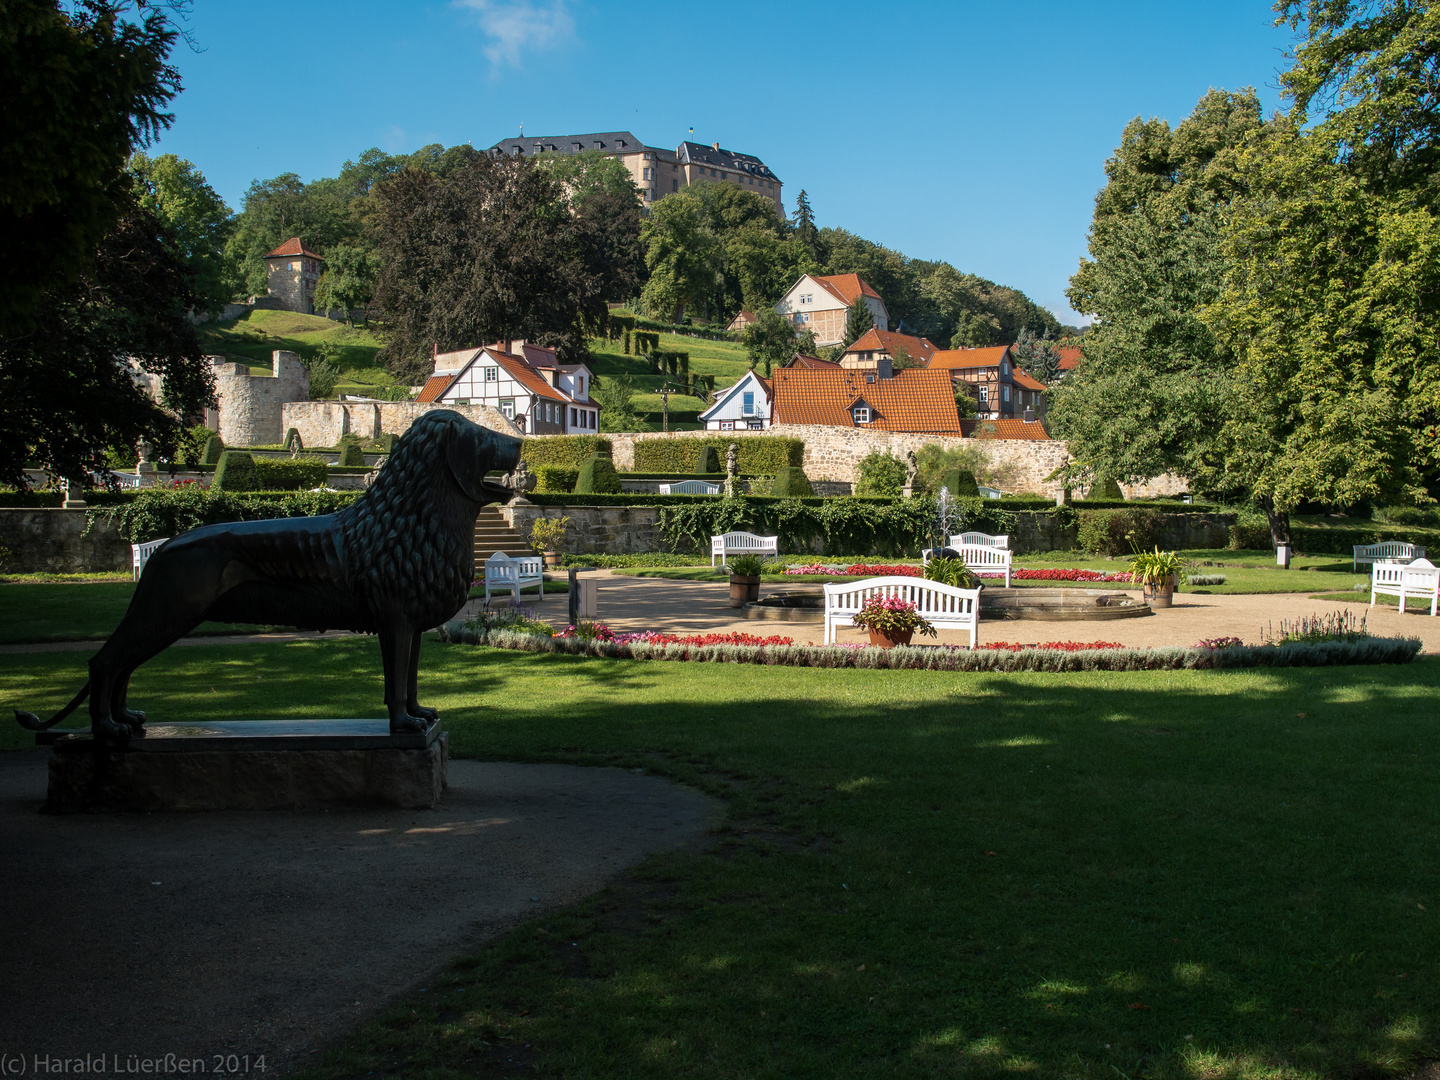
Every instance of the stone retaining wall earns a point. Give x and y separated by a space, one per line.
55 542
322 423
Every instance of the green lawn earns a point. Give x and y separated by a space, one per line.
251 339
1180 874
726 360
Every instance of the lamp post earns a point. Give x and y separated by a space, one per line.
664 407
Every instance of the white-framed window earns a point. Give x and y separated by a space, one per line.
804 316
1005 393
507 408
462 401
727 425
747 405
492 374
861 414
807 298
580 382
984 394
1004 368
757 425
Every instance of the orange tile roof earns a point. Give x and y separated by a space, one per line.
293 247
1022 378
1004 429
847 287
914 400
952 359
522 373
1069 359
434 386
800 360
877 340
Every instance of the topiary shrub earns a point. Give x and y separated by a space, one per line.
880 474
961 483
791 483
235 472
1105 488
756 455
597 477
291 474
214 448
555 478
351 456
386 442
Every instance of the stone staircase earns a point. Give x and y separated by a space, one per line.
492 534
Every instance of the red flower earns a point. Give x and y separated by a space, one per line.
1059 646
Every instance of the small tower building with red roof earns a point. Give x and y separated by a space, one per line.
291 274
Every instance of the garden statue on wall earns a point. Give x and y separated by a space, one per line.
522 480
394 563
732 469
912 470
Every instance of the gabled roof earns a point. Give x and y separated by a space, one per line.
954 359
522 373
914 400
846 287
1023 379
451 365
877 340
434 386
291 248
1069 359
693 153
814 363
728 394
1033 430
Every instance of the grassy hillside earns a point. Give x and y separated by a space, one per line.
251 339
723 359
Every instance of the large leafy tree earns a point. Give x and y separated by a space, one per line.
1331 302
348 280
83 86
176 192
1156 382
770 340
684 260
494 251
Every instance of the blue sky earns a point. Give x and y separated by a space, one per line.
971 132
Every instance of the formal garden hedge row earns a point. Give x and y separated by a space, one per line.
757 455
153 514
1370 650
565 451
1325 540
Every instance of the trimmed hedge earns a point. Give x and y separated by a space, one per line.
553 479
791 483
597 477
1118 532
566 451
757 455
214 448
236 472
155 513
962 483
1316 540
291 474
351 455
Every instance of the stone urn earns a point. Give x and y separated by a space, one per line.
882 640
743 590
1161 593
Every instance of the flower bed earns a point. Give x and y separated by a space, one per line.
902 570
1060 646
1370 650
603 633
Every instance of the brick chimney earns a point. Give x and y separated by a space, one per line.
1029 415
715 146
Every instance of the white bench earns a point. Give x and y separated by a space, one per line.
503 572
981 551
690 487
1387 550
140 554
743 543
1419 580
942 605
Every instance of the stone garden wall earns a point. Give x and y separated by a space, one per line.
321 423
55 542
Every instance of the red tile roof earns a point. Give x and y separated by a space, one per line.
914 400
814 363
1069 359
293 247
434 386
877 340
846 287
522 373
1004 429
1024 379
953 359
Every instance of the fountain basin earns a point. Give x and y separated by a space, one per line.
1051 605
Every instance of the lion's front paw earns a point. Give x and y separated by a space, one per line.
406 724
135 720
425 713
106 730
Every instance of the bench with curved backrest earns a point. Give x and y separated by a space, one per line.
743 543
140 554
982 552
1419 580
690 487
942 605
1387 551
504 572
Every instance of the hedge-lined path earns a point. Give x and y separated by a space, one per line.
276 933
699 607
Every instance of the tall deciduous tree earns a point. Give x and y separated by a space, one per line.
770 339
683 258
177 193
348 280
493 252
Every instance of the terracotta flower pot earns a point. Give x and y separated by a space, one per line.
743 590
885 641
1161 594
552 558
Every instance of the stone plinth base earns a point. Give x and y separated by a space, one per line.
251 765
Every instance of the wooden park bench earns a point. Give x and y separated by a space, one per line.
942 605
1419 580
503 572
690 487
982 552
1388 550
743 543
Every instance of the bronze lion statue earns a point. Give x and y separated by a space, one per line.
394 563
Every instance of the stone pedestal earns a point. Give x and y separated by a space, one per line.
249 765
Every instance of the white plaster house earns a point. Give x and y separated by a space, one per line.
522 381
821 303
743 407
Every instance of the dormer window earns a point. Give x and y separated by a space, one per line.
861 414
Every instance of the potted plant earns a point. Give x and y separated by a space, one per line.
951 571
1160 572
745 579
891 621
546 536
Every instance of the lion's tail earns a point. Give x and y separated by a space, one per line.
31 722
